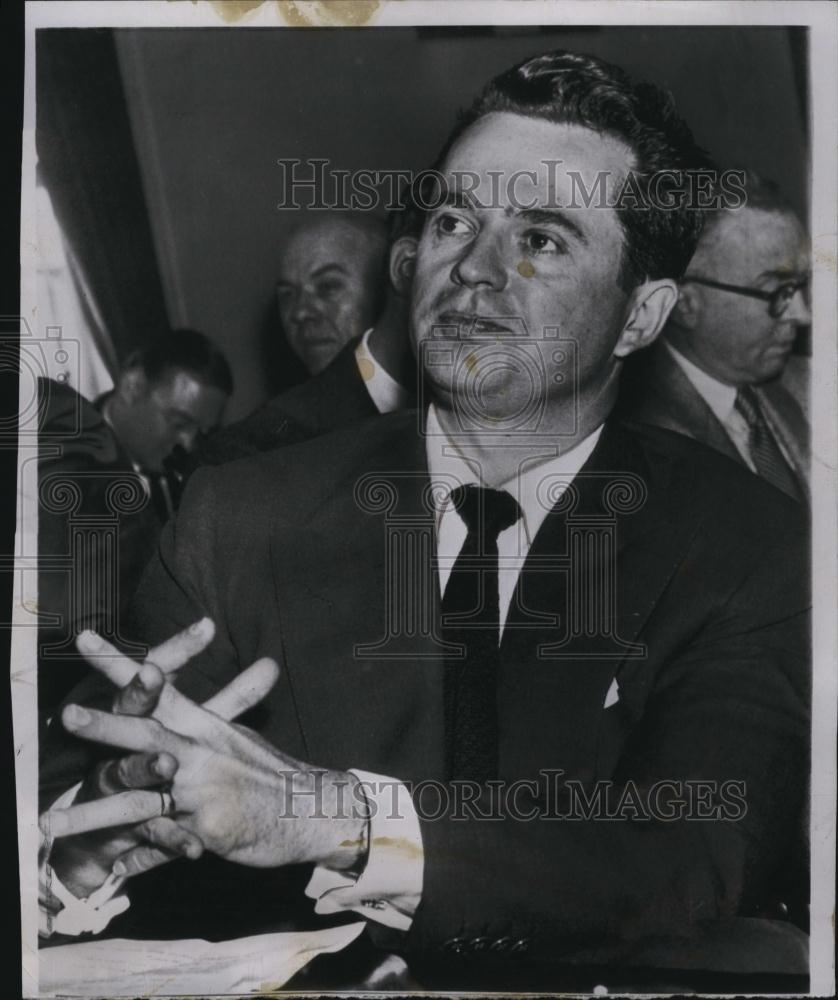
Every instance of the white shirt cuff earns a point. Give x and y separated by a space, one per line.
385 392
390 886
90 915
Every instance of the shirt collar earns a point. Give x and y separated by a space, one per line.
386 393
447 464
719 397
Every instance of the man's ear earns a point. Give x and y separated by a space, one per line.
685 312
131 385
402 261
648 310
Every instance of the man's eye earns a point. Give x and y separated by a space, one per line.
328 288
450 225
538 242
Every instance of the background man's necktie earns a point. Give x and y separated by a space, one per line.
470 618
765 452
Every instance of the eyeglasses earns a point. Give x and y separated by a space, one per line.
778 300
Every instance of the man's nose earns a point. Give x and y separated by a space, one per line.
304 307
187 439
481 264
798 309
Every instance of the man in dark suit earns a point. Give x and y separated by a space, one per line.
371 374
331 283
554 645
102 489
718 371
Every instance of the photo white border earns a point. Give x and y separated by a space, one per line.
822 20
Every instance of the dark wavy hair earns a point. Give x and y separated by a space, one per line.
182 350
571 88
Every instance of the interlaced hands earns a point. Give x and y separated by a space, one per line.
123 808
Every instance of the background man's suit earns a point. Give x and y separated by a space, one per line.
298 572
655 390
79 451
334 397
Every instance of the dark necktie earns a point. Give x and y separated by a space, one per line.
471 620
765 452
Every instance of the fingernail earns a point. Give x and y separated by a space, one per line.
91 639
119 869
198 626
147 677
76 715
159 767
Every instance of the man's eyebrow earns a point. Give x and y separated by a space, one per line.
326 268
784 274
551 216
457 199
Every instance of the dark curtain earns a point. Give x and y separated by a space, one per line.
88 163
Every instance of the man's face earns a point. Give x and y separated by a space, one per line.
329 282
498 276
735 338
166 413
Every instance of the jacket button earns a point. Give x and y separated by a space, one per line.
501 945
480 944
519 947
455 946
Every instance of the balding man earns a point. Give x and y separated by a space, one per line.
370 374
719 372
331 285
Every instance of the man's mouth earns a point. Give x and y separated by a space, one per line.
474 323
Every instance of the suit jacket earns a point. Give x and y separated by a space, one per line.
89 493
330 399
707 642
655 390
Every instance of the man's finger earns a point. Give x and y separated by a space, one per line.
142 859
246 690
125 731
172 654
137 770
141 695
106 658
165 833
115 810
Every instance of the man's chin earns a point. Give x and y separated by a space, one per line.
773 364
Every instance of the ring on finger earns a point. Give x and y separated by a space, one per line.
167 804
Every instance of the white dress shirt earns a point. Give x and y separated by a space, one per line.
721 399
386 393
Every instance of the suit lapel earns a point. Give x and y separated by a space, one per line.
790 428
334 396
356 596
688 412
592 577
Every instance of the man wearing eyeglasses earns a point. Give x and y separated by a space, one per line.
717 372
